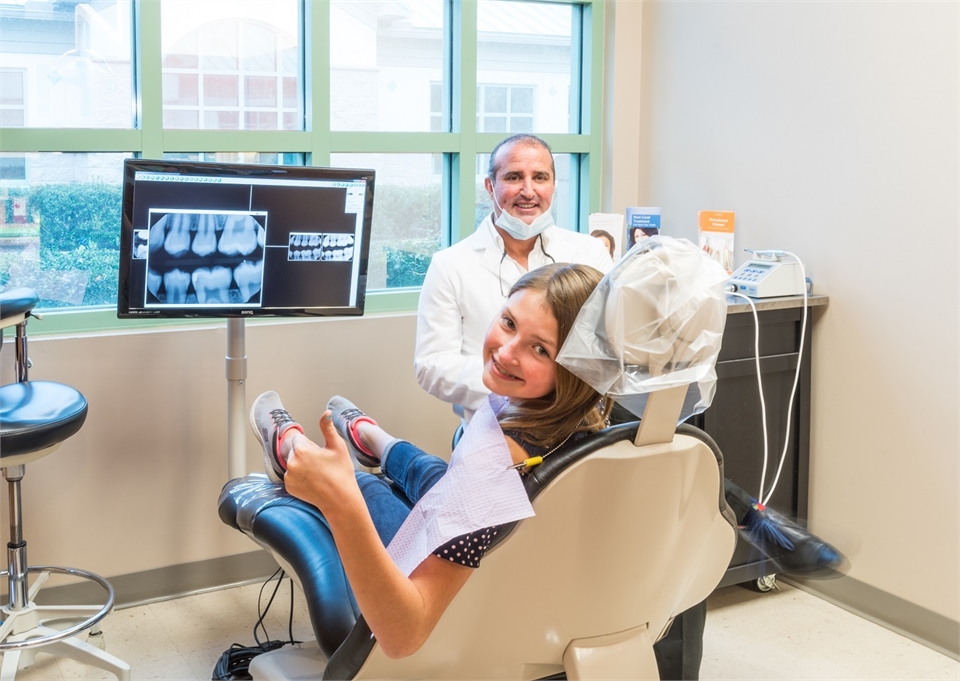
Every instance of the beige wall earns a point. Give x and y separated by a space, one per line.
137 487
831 129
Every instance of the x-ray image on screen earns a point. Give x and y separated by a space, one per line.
329 247
204 257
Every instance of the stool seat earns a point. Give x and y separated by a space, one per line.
36 415
16 302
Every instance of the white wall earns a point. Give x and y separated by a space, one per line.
831 128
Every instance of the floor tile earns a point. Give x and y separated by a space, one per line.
786 634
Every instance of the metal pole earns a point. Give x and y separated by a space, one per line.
236 400
17 548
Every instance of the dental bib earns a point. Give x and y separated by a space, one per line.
478 490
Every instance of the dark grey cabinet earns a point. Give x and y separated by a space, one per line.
734 417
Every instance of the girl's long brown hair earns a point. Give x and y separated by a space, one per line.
573 405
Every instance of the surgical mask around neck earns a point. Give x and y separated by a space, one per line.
519 229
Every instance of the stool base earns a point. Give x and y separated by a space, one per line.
34 629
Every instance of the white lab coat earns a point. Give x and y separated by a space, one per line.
464 291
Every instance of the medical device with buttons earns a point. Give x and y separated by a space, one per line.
768 275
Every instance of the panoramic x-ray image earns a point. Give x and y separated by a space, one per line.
205 258
328 247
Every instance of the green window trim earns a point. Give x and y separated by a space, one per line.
318 142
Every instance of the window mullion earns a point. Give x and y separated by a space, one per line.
316 46
149 60
591 94
463 179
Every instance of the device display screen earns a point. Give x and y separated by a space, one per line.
237 240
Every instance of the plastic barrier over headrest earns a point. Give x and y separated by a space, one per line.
654 322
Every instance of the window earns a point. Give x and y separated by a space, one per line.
231 66
544 38
505 108
73 61
12 110
418 90
384 59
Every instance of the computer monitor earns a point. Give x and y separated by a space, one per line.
237 240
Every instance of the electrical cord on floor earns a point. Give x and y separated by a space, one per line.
234 663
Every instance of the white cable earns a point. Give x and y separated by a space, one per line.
763 405
793 391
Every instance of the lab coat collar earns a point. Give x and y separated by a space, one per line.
491 243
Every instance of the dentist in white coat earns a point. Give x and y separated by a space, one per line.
466 284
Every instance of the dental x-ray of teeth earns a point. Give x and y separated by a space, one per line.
205 257
320 247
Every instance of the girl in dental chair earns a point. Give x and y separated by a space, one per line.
546 406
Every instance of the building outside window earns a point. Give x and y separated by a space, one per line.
380 85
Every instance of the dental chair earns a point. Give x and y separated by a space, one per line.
36 417
630 530
630 526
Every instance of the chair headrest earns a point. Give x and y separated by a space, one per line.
654 322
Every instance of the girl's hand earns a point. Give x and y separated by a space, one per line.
322 476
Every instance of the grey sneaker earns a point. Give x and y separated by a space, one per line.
269 420
346 415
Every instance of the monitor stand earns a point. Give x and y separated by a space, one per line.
236 400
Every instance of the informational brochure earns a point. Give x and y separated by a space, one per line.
641 223
607 227
716 236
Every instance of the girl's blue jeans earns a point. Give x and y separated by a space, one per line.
411 472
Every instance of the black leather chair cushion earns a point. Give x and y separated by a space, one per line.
35 415
299 535
17 301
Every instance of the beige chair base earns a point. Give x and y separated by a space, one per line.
625 655
299 662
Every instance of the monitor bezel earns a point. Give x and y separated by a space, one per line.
253 171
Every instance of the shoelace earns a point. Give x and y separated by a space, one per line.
281 416
350 415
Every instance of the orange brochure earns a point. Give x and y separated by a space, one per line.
716 235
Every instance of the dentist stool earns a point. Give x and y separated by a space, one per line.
35 418
631 529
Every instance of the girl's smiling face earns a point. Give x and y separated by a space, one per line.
520 348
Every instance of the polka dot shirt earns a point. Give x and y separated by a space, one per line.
468 549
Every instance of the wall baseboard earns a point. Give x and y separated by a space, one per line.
913 621
908 619
174 581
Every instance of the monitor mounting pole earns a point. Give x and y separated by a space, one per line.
236 400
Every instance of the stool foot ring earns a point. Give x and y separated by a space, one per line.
24 632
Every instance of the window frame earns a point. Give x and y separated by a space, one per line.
460 146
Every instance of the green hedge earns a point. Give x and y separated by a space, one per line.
79 245
73 215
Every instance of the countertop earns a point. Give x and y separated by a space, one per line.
736 304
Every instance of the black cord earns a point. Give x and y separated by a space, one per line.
234 663
263 613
